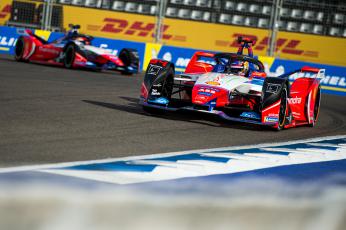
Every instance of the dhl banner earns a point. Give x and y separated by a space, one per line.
5 11
198 35
206 36
333 83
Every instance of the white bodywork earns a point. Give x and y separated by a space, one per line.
229 82
96 50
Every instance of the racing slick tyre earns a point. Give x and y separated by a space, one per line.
316 107
283 108
166 92
69 55
19 49
130 58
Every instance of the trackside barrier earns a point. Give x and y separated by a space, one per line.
333 83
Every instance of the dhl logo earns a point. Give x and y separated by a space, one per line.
5 11
283 45
136 28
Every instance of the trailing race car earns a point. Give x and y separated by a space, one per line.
234 87
74 50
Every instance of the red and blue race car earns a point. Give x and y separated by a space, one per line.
74 50
235 87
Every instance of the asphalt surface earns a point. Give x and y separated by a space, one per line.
50 114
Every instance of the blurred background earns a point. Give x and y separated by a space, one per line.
288 34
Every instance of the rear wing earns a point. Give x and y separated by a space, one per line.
303 72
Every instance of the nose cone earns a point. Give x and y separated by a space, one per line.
203 95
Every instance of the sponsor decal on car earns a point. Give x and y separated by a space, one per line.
212 83
48 50
154 69
154 92
294 100
271 119
251 115
273 88
207 91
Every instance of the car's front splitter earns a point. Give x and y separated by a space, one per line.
213 112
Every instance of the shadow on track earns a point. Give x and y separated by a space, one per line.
187 116
107 72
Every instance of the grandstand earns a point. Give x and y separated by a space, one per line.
320 17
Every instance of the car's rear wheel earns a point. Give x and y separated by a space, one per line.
19 49
283 109
69 56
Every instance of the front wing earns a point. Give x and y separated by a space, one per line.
215 112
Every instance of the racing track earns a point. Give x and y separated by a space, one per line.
50 114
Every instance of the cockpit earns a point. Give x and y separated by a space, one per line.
236 64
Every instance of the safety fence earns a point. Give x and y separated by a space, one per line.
334 82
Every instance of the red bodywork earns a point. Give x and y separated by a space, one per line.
37 50
195 66
301 101
302 94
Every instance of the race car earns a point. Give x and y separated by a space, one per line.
235 87
74 50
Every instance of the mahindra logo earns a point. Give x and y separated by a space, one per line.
137 28
294 100
43 49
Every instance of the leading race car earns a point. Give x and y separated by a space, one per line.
74 50
234 87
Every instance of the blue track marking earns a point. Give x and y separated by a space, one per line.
113 166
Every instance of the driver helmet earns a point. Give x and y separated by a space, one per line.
83 40
240 68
